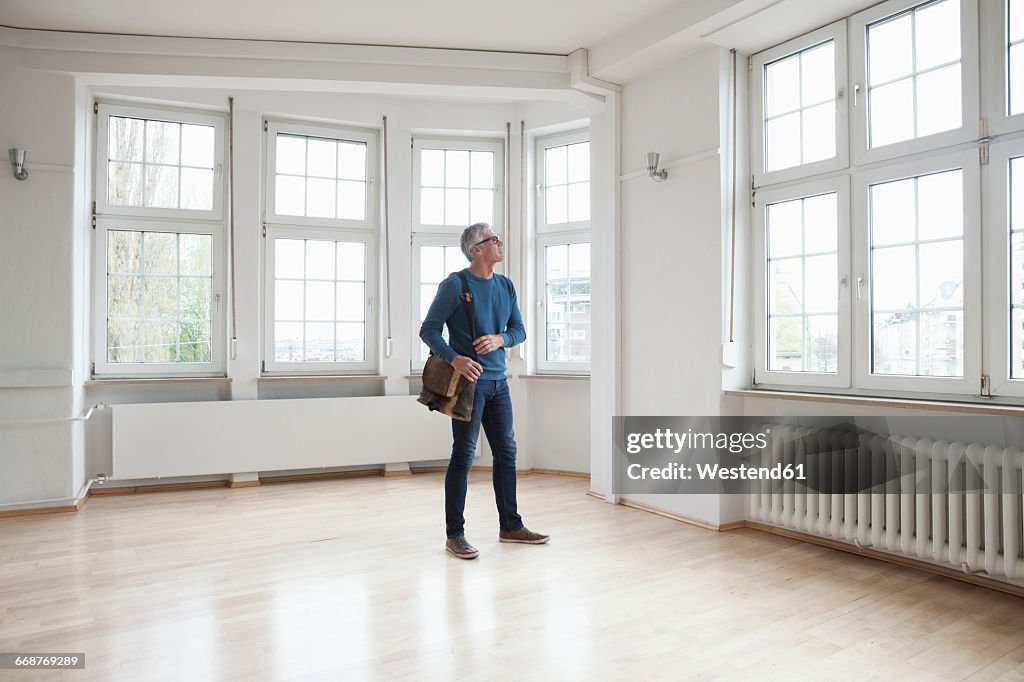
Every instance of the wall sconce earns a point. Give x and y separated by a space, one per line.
18 163
651 160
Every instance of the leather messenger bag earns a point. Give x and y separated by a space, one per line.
445 390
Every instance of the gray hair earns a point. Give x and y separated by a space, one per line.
470 236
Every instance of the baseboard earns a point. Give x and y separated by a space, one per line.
428 470
36 511
158 487
980 581
594 493
699 523
559 472
321 476
243 484
397 474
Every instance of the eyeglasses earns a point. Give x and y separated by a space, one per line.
494 240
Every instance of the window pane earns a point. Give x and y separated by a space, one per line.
557 342
124 341
432 167
1016 9
785 287
822 280
578 158
291 155
432 206
351 260
290 195
579 260
894 278
289 258
579 202
350 342
1017 193
320 198
785 344
351 200
894 344
557 261
196 293
124 184
288 342
555 171
482 169
160 253
481 209
320 259
162 142
160 297
195 342
942 344
892 213
195 254
555 205
124 139
197 145
1017 343
940 205
431 264
1016 72
161 186
890 49
821 228
784 229
942 275
818 74
782 90
124 292
320 300
453 259
456 168
892 113
1017 269
124 251
322 158
288 300
319 342
161 341
819 132
822 343
352 161
782 142
938 101
456 207
197 189
937 34
427 293
350 304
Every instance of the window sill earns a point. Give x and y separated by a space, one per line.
323 377
978 407
158 380
555 377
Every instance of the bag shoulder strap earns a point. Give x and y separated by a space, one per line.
467 304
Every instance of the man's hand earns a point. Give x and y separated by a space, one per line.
487 343
467 367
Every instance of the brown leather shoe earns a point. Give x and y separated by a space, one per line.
460 547
523 535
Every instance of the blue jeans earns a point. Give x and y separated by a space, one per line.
492 408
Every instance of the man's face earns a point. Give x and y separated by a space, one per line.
492 251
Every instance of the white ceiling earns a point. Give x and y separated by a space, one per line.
542 26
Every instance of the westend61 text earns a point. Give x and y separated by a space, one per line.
715 472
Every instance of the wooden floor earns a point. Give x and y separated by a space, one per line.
347 579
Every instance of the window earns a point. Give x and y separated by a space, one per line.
320 250
869 276
158 250
563 254
456 182
800 116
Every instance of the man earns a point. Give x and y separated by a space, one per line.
498 325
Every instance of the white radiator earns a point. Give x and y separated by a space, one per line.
955 504
189 439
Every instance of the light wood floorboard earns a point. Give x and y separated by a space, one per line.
348 579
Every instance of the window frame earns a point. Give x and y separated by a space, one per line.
418 242
102 369
839 185
998 279
969 83
545 366
862 329
471 144
105 110
837 32
997 97
274 126
371 360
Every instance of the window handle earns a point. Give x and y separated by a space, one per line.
860 285
856 92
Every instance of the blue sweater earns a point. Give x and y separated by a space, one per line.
496 310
